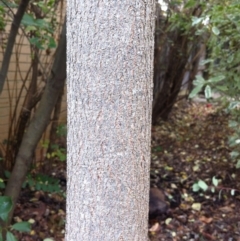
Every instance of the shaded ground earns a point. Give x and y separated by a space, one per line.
191 146
44 210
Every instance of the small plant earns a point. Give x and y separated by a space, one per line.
6 206
42 182
62 130
203 186
58 152
234 139
222 62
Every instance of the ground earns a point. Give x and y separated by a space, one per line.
190 146
193 146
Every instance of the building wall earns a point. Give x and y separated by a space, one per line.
18 80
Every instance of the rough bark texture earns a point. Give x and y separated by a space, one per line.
39 122
110 71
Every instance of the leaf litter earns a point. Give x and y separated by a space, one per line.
192 147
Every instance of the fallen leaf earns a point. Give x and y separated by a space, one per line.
226 209
155 228
205 219
196 206
168 221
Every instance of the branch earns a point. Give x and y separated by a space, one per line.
11 40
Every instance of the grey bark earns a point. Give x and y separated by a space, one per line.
40 120
110 70
11 40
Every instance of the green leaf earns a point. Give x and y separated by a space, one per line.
230 59
222 87
233 124
196 20
30 28
45 188
238 164
232 141
208 92
41 23
36 42
233 105
195 187
202 185
216 79
52 44
39 186
22 227
234 154
10 237
190 4
63 157
199 80
195 91
237 141
28 20
5 207
215 181
215 30
31 182
206 61
232 192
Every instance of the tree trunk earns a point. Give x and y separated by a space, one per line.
110 71
54 87
31 100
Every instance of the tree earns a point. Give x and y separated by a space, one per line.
110 70
177 54
39 122
222 61
38 25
